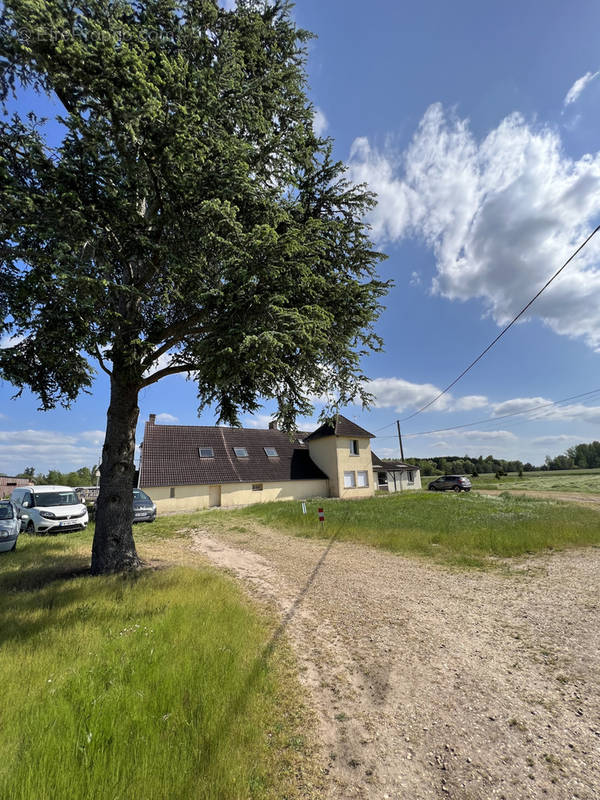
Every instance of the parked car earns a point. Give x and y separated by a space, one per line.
10 525
457 483
144 509
49 509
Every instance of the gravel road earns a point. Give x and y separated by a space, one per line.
434 683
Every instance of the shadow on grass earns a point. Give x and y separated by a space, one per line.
237 705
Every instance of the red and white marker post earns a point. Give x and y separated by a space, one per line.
321 516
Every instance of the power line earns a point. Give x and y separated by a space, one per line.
495 419
504 330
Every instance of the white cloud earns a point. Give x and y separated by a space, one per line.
415 279
165 418
561 439
479 436
49 449
578 87
470 402
262 421
320 123
399 394
576 412
519 405
10 341
500 215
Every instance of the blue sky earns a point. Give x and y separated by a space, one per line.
476 124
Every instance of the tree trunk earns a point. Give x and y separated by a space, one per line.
114 549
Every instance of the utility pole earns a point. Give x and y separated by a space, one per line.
400 440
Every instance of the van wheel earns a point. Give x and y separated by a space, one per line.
30 528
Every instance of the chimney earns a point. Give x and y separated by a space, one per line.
152 419
273 425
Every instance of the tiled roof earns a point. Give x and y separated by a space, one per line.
342 427
170 456
389 466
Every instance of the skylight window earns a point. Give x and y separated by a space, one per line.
271 451
206 452
240 452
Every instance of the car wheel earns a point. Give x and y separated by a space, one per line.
457 488
30 527
431 488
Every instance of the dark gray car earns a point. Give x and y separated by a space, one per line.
456 483
144 509
10 525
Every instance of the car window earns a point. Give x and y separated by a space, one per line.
6 511
139 495
45 499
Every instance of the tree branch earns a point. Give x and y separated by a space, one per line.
101 361
162 373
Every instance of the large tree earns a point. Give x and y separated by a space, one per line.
179 216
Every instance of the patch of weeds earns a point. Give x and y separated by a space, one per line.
341 717
515 723
552 760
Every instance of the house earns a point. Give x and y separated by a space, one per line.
8 483
395 476
191 467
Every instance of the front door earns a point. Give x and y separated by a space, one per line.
214 496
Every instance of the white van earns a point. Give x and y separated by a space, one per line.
49 509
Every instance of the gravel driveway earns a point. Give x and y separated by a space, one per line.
433 683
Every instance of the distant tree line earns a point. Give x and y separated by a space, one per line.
468 465
85 476
581 456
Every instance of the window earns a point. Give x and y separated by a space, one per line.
354 447
271 451
411 476
349 480
240 452
172 491
206 452
257 487
363 478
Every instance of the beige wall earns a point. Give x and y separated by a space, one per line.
332 455
324 453
349 463
196 498
402 482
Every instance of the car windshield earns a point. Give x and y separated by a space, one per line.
45 499
139 495
6 511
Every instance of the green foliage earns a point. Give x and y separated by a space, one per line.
84 476
162 685
467 529
188 211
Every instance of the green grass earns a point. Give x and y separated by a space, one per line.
466 529
583 481
168 684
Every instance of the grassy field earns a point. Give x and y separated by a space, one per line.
466 529
583 481
168 684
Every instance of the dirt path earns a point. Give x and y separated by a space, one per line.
430 683
567 497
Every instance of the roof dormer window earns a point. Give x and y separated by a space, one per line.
206 452
241 452
271 452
